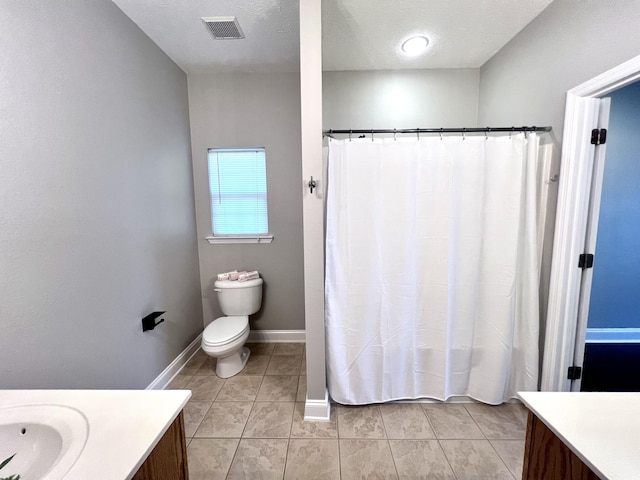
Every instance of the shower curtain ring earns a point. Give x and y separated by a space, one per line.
486 133
418 132
350 132
372 134
513 129
441 133
463 132
394 134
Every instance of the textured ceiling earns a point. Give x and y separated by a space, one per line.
271 28
357 34
367 35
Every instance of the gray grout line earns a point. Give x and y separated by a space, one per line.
386 436
474 421
502 459
447 459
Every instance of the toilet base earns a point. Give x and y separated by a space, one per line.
233 364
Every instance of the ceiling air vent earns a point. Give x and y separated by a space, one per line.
223 28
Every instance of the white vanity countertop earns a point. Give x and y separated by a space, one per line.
603 429
124 425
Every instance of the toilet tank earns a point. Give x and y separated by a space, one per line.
239 298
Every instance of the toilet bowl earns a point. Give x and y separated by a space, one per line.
224 338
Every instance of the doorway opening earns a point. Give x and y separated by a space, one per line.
587 109
612 347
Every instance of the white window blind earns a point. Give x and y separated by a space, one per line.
238 186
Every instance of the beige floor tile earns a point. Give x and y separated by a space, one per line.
225 420
406 420
366 459
204 388
240 389
256 365
360 422
259 459
420 459
502 422
475 460
269 420
194 412
208 366
288 349
284 365
180 381
512 454
261 410
210 458
278 388
303 429
194 364
312 459
302 389
260 348
452 421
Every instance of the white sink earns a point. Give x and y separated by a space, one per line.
46 440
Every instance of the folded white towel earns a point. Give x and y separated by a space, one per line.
243 277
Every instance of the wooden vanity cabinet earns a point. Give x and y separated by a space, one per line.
168 460
546 457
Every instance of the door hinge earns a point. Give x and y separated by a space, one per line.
574 373
585 261
598 136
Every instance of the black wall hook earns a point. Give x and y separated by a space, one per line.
149 322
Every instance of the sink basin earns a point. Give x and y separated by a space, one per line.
46 440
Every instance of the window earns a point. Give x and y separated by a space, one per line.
238 187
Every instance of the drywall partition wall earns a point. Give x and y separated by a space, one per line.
614 291
570 42
97 224
526 82
253 110
400 99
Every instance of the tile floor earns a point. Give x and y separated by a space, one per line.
251 426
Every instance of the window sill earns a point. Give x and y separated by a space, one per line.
240 239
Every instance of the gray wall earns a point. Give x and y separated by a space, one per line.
400 99
526 82
97 224
570 42
253 110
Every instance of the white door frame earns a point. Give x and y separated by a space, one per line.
576 170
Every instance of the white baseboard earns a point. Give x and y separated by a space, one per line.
276 336
174 368
317 410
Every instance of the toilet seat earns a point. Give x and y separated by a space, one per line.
225 330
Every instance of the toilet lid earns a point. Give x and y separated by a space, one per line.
225 330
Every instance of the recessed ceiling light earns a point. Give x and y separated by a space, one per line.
415 45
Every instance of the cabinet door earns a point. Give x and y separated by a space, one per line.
168 460
546 457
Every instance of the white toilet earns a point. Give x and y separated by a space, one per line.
224 338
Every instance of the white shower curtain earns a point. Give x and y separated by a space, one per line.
432 270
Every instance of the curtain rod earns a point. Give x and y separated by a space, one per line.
372 131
